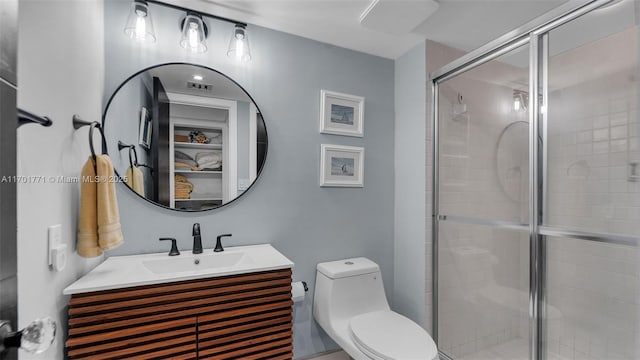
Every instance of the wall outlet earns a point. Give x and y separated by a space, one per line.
54 240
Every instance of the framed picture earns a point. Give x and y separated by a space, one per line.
144 133
341 166
341 114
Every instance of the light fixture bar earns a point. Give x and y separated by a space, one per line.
177 7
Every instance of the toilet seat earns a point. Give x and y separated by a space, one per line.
386 335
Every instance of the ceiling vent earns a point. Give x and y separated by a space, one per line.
397 17
199 86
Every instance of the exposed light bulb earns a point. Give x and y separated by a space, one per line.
141 26
193 35
239 44
239 48
516 104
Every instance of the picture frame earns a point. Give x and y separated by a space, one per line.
341 166
341 114
144 132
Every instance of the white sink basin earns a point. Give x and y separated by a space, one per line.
136 270
196 262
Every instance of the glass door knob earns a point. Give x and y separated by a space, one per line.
35 338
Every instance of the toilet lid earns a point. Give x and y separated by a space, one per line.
390 336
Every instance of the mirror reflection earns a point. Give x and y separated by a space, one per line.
185 137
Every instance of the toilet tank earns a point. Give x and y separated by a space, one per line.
346 288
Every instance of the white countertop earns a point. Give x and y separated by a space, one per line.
127 271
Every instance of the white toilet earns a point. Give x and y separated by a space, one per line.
351 306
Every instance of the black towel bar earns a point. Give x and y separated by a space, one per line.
25 117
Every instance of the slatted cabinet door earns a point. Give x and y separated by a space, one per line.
245 316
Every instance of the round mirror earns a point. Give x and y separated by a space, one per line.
185 137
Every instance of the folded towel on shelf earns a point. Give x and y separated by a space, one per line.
187 162
180 178
182 187
135 180
184 158
208 157
182 195
210 166
99 223
182 166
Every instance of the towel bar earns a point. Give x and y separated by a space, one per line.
26 117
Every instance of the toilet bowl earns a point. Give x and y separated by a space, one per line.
351 307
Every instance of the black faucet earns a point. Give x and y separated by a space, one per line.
219 242
197 239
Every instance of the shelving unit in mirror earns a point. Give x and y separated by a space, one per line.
207 145
198 167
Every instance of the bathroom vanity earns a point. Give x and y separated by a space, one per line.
236 305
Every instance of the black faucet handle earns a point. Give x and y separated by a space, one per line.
219 242
196 229
174 247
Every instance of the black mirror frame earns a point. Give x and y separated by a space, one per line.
266 150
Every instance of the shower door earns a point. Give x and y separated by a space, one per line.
537 191
483 182
592 189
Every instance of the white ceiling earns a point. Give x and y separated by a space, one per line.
174 78
463 24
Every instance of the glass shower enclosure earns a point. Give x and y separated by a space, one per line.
536 183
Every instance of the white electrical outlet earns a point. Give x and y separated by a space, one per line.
54 240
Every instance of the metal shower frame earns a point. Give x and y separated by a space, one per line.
535 35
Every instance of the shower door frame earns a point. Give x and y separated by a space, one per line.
535 34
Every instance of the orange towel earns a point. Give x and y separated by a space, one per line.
109 232
99 224
87 243
135 180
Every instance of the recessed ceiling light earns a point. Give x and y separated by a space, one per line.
197 77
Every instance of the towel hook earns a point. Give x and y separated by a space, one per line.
133 154
78 122
133 160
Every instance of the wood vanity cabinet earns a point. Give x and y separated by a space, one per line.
246 316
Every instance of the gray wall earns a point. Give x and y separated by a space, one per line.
125 108
410 178
285 207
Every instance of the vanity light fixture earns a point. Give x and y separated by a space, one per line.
193 28
139 26
239 44
194 33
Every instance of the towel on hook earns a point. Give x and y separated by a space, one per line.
135 180
99 224
87 243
